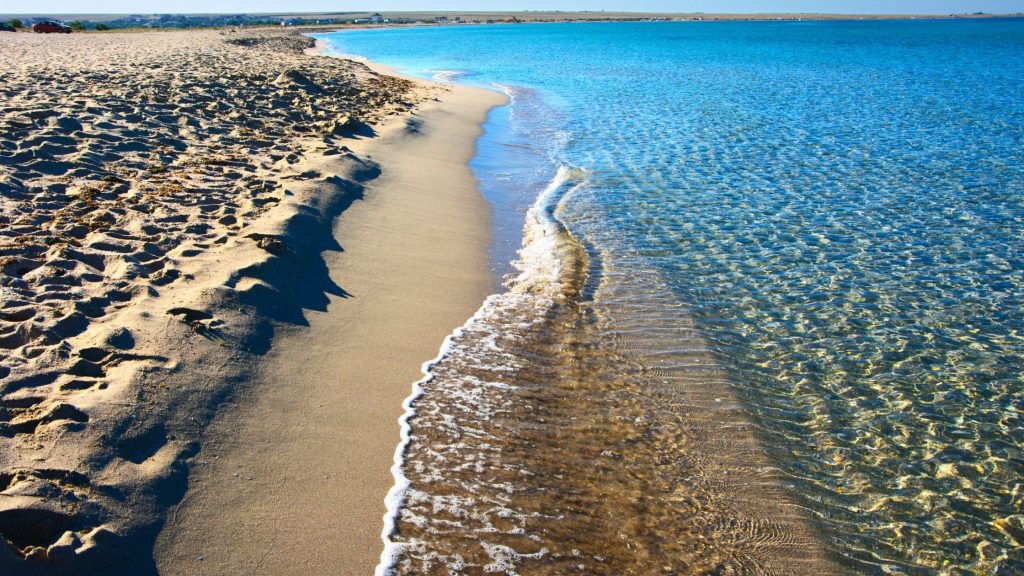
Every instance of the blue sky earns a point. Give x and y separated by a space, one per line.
844 6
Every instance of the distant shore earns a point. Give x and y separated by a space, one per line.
326 20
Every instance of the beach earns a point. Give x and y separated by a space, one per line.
308 458
224 260
758 309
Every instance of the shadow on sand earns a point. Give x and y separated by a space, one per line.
275 291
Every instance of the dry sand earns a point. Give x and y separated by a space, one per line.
170 260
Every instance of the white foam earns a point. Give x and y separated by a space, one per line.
329 48
512 95
448 76
396 495
541 265
543 256
505 558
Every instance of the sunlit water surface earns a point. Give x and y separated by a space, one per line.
768 318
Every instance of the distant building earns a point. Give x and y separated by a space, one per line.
375 18
441 19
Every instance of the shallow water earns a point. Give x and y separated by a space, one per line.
781 326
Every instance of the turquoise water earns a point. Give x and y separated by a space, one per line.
828 216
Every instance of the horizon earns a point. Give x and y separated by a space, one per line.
737 7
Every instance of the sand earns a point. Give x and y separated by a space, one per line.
192 345
297 475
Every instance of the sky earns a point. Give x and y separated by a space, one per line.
745 6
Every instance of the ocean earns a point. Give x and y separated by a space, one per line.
762 309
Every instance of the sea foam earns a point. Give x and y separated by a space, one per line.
541 281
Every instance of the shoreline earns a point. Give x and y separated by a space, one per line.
218 246
432 241
739 491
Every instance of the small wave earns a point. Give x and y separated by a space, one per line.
332 49
549 264
509 91
549 248
448 75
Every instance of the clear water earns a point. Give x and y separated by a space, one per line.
768 318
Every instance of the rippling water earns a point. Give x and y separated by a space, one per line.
768 312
